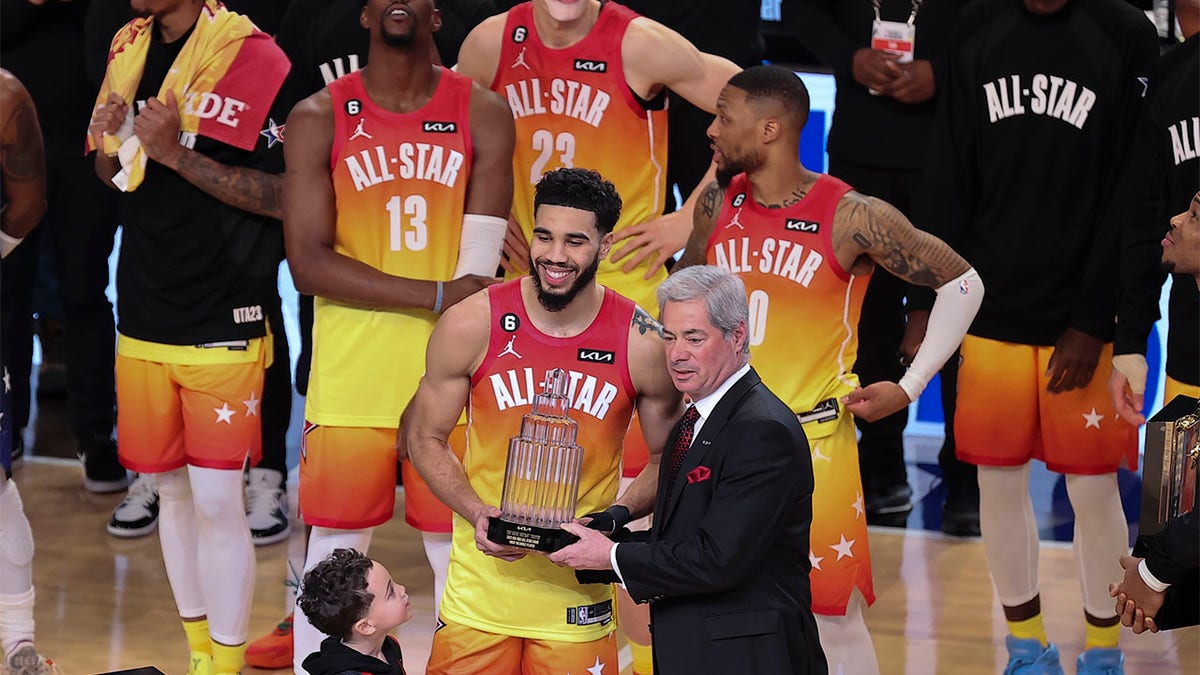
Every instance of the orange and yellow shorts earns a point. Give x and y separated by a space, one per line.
348 480
838 546
459 650
207 415
1005 416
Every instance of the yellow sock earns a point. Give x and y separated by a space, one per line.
228 659
1029 629
197 636
1102 636
643 658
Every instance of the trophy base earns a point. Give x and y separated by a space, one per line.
545 539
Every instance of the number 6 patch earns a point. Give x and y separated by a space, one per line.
510 322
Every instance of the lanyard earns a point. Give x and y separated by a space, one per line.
912 17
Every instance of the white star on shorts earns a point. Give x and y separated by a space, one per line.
843 548
224 414
1093 419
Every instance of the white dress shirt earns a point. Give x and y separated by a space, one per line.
704 407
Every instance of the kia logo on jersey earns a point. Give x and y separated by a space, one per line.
439 127
797 225
597 356
589 66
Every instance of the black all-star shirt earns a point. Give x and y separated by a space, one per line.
1033 131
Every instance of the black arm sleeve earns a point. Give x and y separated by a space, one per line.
1173 555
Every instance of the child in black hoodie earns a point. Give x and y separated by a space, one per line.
354 601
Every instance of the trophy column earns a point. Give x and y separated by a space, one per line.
541 476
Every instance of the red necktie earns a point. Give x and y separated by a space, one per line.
678 451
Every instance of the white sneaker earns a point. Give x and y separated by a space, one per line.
137 514
26 661
266 507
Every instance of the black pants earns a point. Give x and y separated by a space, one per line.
277 394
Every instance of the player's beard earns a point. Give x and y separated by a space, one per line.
557 302
730 167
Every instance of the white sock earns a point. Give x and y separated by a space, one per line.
1101 538
1009 529
321 542
16 620
437 551
177 537
846 641
226 551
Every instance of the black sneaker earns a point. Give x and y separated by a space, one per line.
102 471
266 507
890 507
960 515
137 514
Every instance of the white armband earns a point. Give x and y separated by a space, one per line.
479 249
953 311
7 244
1149 579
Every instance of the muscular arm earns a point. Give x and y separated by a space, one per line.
309 217
659 404
704 221
493 137
479 55
870 227
656 56
22 160
455 348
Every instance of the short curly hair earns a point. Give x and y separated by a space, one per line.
334 593
581 189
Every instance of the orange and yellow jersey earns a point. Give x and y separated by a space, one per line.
532 597
804 307
400 182
573 107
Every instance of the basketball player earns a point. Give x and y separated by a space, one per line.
396 172
1024 180
805 244
201 242
587 83
22 205
506 612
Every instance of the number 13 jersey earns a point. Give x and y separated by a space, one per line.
400 184
573 107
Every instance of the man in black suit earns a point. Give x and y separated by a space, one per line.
726 564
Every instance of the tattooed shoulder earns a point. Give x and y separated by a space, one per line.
644 322
710 200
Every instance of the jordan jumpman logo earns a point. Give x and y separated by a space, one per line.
508 349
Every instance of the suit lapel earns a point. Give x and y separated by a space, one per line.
703 443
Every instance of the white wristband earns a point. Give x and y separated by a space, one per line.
1151 580
1135 369
479 248
7 244
953 311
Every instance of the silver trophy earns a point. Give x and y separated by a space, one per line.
1169 465
541 477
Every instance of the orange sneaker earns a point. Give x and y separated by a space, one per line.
273 651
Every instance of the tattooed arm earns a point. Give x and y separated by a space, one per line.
22 159
704 221
868 229
157 127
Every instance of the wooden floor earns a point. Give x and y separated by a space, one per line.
103 604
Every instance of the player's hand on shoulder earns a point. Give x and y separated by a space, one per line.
661 237
489 547
876 401
1076 355
464 287
515 252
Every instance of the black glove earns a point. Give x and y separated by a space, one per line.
609 520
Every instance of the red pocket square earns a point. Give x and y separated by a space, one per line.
700 473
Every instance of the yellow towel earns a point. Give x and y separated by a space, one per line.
225 79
